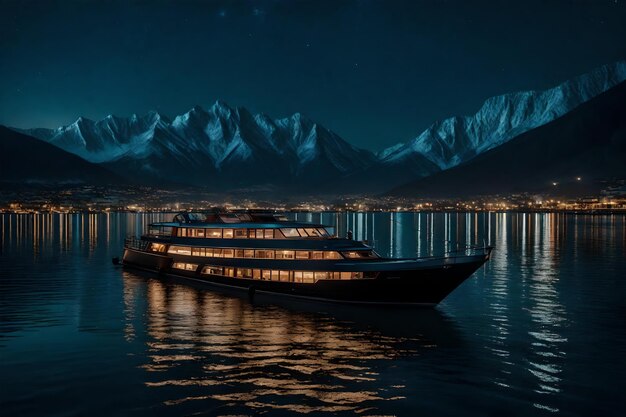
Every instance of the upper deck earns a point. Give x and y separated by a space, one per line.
238 226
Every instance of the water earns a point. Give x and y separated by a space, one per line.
539 330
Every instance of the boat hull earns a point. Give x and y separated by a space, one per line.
425 283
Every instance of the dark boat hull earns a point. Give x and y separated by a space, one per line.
423 285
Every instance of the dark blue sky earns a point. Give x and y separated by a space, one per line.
375 72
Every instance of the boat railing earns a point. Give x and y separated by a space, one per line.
467 250
136 243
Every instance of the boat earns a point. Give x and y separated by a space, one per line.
266 253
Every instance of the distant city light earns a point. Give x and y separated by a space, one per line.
578 178
555 183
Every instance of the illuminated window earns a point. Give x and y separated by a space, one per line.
332 255
238 253
229 272
182 232
217 252
251 233
197 251
227 233
302 254
185 266
181 250
266 274
264 254
312 232
269 234
317 255
285 254
248 253
322 231
157 247
290 232
302 232
322 275
308 276
213 270
227 253
256 273
244 273
360 254
275 275
241 233
284 275
214 233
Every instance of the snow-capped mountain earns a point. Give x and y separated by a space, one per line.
220 142
221 146
455 140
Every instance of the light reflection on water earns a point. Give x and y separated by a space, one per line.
539 329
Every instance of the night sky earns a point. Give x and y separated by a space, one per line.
375 72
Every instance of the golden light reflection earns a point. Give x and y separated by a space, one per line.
261 357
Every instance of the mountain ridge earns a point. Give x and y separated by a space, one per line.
226 146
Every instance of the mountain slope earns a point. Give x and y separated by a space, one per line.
24 159
589 142
217 147
455 140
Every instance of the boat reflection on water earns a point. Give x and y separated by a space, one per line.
298 357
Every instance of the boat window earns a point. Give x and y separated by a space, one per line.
241 233
198 252
269 234
182 250
265 254
302 232
213 270
182 232
259 234
227 233
321 275
185 266
217 252
317 255
285 254
266 274
238 253
332 255
256 273
360 254
227 253
312 232
229 272
302 254
244 273
290 232
251 233
157 247
322 231
308 276
248 253
214 233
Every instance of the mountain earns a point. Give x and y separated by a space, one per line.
587 143
217 147
224 148
458 139
25 159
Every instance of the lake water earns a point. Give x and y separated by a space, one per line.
540 330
